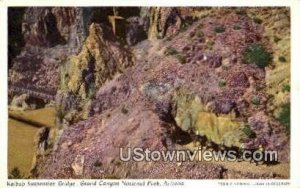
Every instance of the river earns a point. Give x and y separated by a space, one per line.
21 136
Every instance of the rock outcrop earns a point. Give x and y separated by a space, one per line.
53 26
99 60
192 115
50 35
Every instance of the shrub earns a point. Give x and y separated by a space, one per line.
159 36
15 174
178 55
225 67
171 51
124 110
257 20
183 27
284 116
257 54
276 39
219 29
210 44
227 12
181 58
282 59
203 16
248 132
286 88
240 12
200 34
236 27
259 87
222 83
189 20
255 100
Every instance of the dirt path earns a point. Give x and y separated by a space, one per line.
282 169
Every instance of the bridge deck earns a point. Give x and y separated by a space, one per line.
32 92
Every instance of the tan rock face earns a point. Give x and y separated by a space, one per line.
191 114
77 165
99 60
165 21
19 102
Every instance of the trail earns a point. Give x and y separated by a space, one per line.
282 169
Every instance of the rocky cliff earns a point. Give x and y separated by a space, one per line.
82 75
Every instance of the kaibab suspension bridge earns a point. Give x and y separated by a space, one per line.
32 92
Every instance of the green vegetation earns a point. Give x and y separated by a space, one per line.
203 16
124 110
220 29
259 87
117 163
257 20
236 27
282 59
222 83
189 20
240 12
170 51
159 36
255 100
210 44
183 27
227 11
285 116
225 67
181 58
257 54
200 34
248 132
276 39
15 174
286 88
